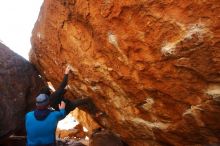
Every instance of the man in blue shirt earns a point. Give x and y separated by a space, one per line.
41 123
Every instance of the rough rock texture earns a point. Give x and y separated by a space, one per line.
19 84
153 67
74 133
105 138
85 119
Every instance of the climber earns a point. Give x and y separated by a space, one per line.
57 96
41 123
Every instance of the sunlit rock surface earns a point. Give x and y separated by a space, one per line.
70 128
19 84
86 120
153 67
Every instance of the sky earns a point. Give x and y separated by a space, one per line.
68 123
17 19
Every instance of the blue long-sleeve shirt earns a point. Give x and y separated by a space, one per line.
42 131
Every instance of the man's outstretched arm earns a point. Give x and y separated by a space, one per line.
56 97
61 89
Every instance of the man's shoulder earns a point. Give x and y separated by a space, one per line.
29 113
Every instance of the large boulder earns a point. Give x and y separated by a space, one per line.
19 84
152 67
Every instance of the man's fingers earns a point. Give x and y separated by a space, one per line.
62 105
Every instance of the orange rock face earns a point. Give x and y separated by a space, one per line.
153 67
85 119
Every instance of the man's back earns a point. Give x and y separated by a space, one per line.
42 131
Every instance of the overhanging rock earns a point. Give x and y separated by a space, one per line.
152 67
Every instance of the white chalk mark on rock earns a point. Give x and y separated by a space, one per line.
112 39
149 103
198 29
96 88
159 125
168 48
194 112
214 91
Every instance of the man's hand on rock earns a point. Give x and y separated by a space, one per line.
67 70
